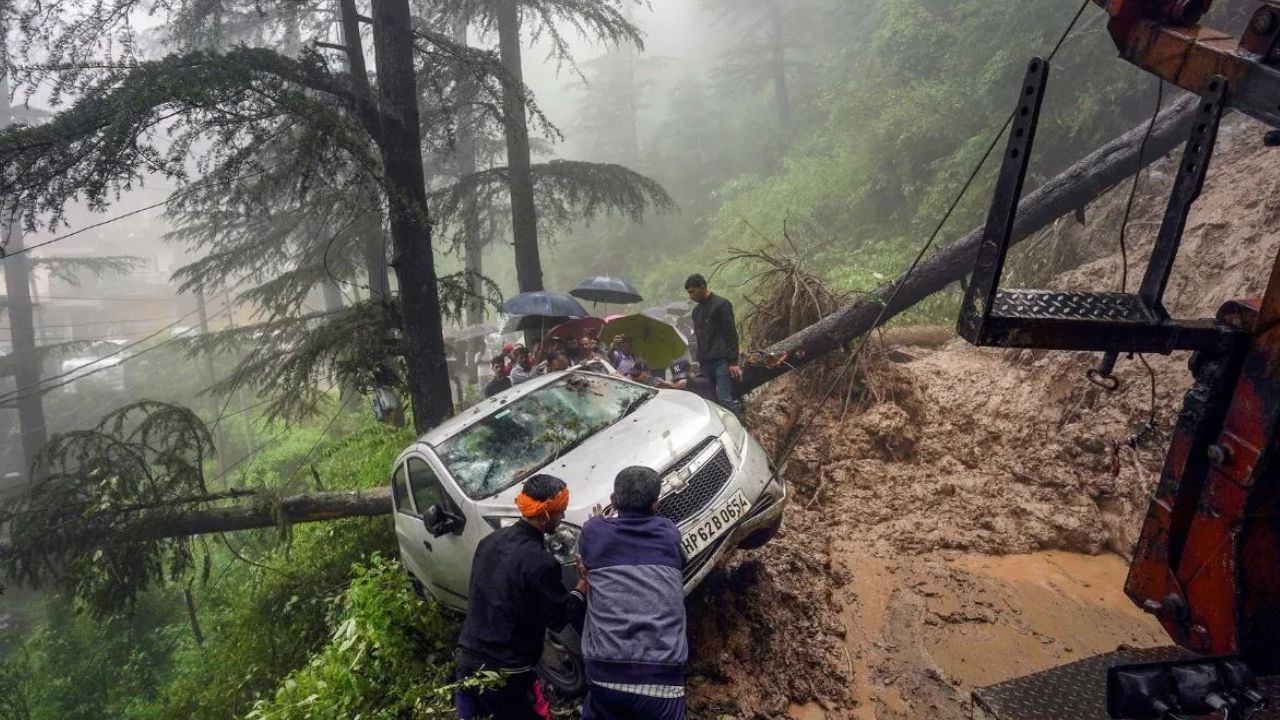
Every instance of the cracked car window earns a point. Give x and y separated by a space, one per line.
507 446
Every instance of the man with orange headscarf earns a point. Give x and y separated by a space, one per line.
515 596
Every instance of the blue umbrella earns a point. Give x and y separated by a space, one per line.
605 289
544 304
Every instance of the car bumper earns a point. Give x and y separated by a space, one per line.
766 511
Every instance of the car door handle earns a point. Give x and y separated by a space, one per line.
427 544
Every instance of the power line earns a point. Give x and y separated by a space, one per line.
38 390
189 191
59 339
851 367
118 298
97 322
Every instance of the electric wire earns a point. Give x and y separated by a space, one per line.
95 322
1143 430
851 366
18 391
40 388
1133 188
175 196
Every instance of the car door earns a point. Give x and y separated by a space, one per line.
445 559
409 529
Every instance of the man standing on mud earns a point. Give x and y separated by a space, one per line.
515 596
634 641
717 334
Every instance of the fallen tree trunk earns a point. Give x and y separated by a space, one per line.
154 524
309 507
1076 187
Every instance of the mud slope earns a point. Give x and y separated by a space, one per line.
966 526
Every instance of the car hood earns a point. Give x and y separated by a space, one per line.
656 435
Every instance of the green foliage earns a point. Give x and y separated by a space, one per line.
78 667
89 482
268 604
388 656
15 688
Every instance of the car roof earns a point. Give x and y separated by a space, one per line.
469 416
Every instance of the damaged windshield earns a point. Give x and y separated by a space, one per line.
512 443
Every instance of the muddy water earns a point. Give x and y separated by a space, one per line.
923 632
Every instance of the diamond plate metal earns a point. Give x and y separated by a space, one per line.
1078 691
1054 305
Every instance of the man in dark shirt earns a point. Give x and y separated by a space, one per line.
515 596
500 380
717 334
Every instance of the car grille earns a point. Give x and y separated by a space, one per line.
701 489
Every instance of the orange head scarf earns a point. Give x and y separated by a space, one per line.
533 509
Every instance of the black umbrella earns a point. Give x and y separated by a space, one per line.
544 304
605 289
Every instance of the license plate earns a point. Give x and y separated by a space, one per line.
697 538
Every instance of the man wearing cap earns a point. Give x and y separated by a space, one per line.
634 644
678 375
515 596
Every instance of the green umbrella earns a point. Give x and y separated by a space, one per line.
651 339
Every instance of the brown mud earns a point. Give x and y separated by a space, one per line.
969 522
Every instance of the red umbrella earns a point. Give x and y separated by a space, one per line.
576 328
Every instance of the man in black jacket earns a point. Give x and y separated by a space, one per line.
717 334
515 596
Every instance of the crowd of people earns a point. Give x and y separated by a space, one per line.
517 363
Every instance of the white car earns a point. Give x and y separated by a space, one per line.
458 482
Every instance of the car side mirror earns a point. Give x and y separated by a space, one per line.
440 521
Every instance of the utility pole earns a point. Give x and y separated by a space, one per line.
245 423
17 274
220 433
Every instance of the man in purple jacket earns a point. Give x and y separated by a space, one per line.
634 641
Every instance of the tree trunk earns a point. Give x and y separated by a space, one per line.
17 274
524 217
777 41
309 507
405 187
375 254
473 244
1077 186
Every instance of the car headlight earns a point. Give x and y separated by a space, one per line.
737 433
563 544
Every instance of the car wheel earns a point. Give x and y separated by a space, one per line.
561 665
758 538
